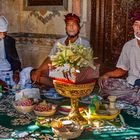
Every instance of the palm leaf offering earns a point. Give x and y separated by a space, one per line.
74 55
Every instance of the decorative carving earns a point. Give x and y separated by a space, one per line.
117 28
38 8
44 16
115 31
127 4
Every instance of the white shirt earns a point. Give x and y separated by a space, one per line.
4 64
62 41
130 60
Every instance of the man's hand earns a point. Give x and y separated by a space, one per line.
35 75
102 80
16 77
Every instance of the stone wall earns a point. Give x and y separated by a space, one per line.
33 48
36 31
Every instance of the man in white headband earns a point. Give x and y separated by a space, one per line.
9 60
129 62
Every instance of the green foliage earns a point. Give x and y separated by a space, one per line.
73 55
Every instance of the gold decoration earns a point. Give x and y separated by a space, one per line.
74 91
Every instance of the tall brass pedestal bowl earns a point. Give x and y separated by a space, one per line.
74 91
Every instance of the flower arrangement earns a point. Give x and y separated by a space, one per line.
73 64
74 55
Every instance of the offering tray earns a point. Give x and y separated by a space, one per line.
43 121
105 111
103 114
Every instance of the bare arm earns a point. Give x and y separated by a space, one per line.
116 73
43 68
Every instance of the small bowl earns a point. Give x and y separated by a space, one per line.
23 109
67 135
68 130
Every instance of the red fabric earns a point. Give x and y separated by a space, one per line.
73 17
135 16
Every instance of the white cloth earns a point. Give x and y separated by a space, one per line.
130 60
29 93
25 76
3 24
62 41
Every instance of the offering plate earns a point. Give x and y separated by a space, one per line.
74 92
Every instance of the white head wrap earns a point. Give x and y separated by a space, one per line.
3 24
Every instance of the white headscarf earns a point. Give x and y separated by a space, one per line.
3 24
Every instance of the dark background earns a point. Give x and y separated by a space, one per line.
44 2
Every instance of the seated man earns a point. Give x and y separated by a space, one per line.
129 61
72 22
9 60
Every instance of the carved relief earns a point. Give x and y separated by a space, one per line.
114 30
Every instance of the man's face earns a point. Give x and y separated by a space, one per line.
136 27
2 35
72 28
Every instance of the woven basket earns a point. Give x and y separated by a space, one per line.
23 109
68 135
45 113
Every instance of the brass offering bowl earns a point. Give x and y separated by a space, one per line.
74 91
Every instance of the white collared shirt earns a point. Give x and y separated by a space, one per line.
130 60
62 41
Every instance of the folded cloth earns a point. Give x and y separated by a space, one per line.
25 76
29 93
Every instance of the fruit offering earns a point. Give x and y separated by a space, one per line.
24 105
44 106
45 109
24 102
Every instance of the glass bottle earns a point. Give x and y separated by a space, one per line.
96 102
8 81
0 88
92 107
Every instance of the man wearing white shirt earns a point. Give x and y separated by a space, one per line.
128 62
9 60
